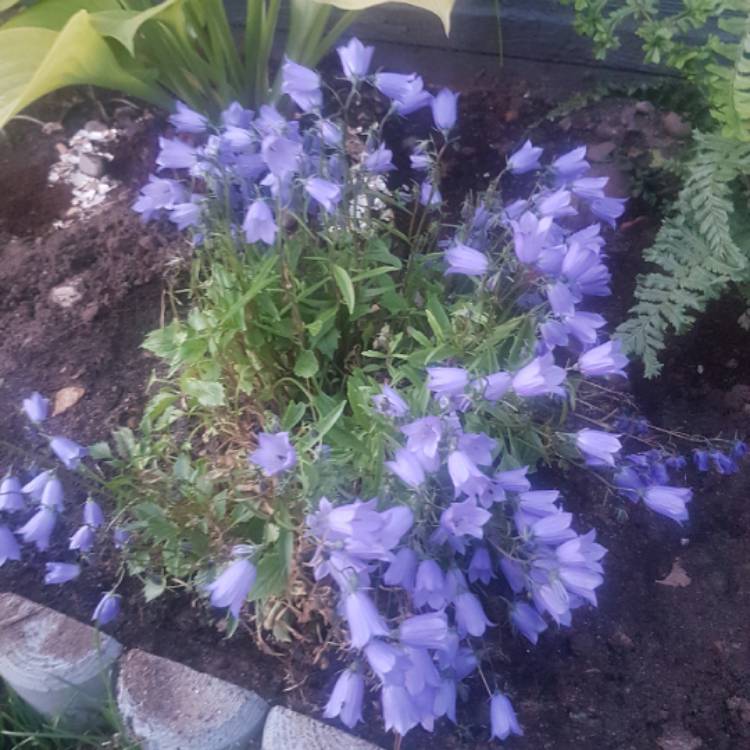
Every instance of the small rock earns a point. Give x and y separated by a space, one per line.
644 108
65 295
621 641
677 738
606 132
676 126
91 165
95 126
600 151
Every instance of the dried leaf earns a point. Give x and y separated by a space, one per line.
66 398
677 576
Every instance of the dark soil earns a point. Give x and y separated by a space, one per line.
655 666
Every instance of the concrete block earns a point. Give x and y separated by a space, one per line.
58 665
168 706
288 730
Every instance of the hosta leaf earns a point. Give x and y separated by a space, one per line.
54 14
36 61
441 8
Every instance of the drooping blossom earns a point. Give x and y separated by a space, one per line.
9 549
444 109
92 514
36 407
429 587
188 214
608 209
447 381
68 451
11 498
503 719
526 159
529 236
38 529
365 622
157 194
599 447
406 91
429 630
325 192
346 698
589 188
556 204
668 501
186 120
231 588
83 539
540 377
330 133
403 570
465 260
302 85
58 573
120 537
399 712
107 609
496 385
176 154
380 160
470 616
605 359
259 224
572 165
35 487
390 403
235 115
281 154
406 466
513 480
527 621
355 58
429 195
480 566
274 454
420 161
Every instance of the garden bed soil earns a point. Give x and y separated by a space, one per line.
655 666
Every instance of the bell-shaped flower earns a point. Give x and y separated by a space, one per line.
608 209
553 598
580 580
83 539
346 698
540 377
514 574
35 487
330 133
186 120
421 672
429 587
480 566
496 385
561 301
447 381
589 188
406 91
572 165
724 464
231 588
188 214
478 446
302 85
470 616
556 205
259 224
445 700
598 447
429 630
326 193
420 161
378 161
583 550
61 572
513 480
36 407
235 115
365 622
407 468
465 519
387 661
403 570
530 236
107 609
444 110
503 719
274 454
605 359
9 549
668 501
120 537
11 498
553 529
400 714
584 326
526 159
52 495
429 194
176 154
466 261
92 514
38 529
281 155
68 451
158 194
423 439
527 621
390 403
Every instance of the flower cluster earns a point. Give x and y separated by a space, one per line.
43 494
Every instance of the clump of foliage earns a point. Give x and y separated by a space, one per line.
702 247
355 404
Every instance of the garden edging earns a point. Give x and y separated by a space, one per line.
65 669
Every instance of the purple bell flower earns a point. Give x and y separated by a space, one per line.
38 529
701 459
447 381
237 139
330 133
61 572
157 194
186 120
429 630
120 537
429 588
598 447
390 403
429 195
355 59
92 514
35 487
513 480
420 161
605 359
346 698
526 159
527 621
478 447
326 193
480 567
668 501
68 451
496 385
739 449
572 165
379 160
36 407
188 214
281 155
540 377
407 468
235 115
556 204
175 154
470 616
231 588
406 91
259 223
302 85
107 610
514 574
608 209
553 529
274 454
9 549
466 518
365 622
388 662
400 713
462 259
723 464
423 439
11 498
561 301
444 110
503 719
530 236
83 539
445 700
403 570
584 326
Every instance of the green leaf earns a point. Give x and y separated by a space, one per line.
329 420
99 451
346 287
441 8
205 392
36 61
154 588
123 25
292 415
273 568
54 14
306 365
